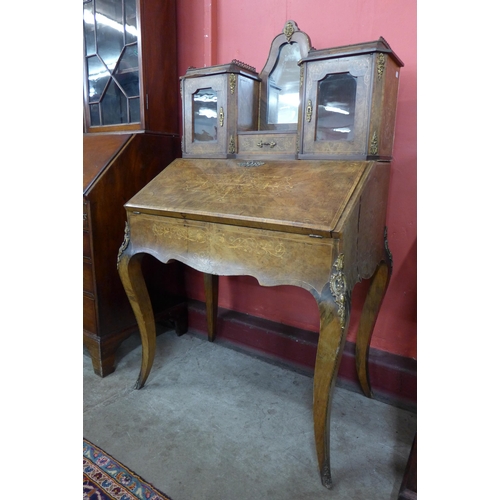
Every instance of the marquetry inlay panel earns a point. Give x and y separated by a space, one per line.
305 197
272 257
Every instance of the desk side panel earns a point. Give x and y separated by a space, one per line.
361 227
372 220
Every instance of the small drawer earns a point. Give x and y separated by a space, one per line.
86 245
275 143
88 279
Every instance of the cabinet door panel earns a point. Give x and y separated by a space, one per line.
337 100
205 112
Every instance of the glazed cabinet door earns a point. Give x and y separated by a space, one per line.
129 64
337 97
111 62
205 116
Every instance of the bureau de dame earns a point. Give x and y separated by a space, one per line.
284 177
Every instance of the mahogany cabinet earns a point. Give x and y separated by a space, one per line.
130 108
115 167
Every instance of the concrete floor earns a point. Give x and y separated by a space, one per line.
212 423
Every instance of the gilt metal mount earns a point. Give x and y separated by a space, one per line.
124 245
232 145
232 82
288 31
338 287
380 66
309 110
251 163
374 144
270 144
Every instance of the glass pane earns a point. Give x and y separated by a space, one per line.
283 86
94 115
205 115
126 73
114 106
336 107
109 27
135 110
129 59
98 77
89 28
129 82
130 21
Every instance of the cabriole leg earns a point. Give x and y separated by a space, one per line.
211 282
129 269
334 307
376 292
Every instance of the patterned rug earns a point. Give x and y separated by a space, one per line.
104 478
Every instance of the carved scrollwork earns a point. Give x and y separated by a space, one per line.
338 287
124 245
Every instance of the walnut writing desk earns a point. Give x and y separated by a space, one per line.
315 224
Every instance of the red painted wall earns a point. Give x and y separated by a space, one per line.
218 31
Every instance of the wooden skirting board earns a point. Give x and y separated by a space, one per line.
393 378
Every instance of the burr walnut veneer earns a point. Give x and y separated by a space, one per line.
315 224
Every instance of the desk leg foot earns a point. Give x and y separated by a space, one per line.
211 282
334 317
371 307
326 476
129 269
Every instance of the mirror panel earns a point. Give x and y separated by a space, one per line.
205 115
283 86
280 80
